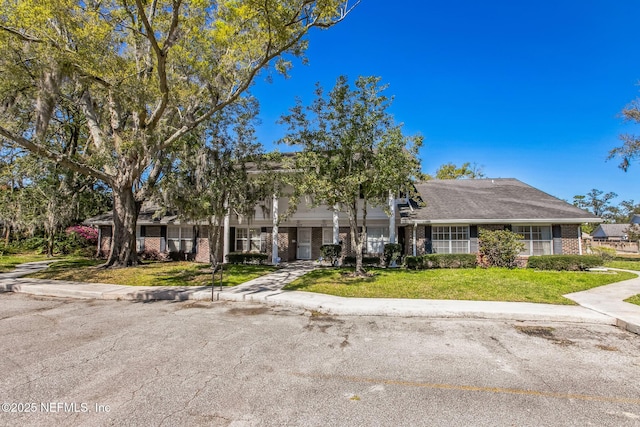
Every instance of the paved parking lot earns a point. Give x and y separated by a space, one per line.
79 362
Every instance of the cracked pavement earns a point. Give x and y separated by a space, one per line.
238 364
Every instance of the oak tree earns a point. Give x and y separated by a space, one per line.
140 74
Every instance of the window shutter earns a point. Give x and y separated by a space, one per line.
473 231
428 246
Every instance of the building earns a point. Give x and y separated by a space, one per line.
443 216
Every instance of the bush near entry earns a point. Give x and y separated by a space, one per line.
366 260
423 262
564 262
499 248
246 258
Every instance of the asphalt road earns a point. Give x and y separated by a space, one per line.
71 362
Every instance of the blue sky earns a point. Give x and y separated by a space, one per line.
529 90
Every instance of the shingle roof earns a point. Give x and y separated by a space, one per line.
490 201
149 215
610 230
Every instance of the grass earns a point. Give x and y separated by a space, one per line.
627 262
634 300
494 284
180 273
9 262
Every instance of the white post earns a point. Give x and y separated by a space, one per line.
274 233
415 238
336 226
226 234
579 240
392 218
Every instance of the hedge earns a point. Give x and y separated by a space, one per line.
440 261
392 252
366 260
246 258
564 262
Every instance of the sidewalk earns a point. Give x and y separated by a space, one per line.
602 305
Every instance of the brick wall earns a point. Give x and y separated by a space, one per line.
316 242
152 238
570 244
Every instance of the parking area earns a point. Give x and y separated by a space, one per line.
90 362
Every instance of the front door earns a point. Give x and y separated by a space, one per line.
304 243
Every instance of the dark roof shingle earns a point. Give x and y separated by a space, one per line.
490 200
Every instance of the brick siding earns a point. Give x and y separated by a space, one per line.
570 244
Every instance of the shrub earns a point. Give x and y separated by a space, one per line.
449 261
413 262
392 252
366 260
331 253
246 258
440 261
564 262
605 254
89 234
499 248
152 255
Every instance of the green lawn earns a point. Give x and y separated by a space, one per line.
627 263
180 273
634 300
494 284
9 262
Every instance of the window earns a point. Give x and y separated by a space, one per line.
327 236
251 242
537 239
376 239
450 239
180 238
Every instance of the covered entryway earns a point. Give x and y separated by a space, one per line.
304 243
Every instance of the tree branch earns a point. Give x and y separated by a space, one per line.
56 157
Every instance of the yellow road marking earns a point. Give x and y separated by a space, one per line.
473 388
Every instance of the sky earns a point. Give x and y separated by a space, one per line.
526 90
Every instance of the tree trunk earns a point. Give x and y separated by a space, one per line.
214 242
356 240
125 215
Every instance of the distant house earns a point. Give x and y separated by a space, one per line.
610 232
444 216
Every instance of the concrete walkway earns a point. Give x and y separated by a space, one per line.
602 305
609 300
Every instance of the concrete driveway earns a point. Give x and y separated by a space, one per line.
93 362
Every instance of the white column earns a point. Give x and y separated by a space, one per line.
392 218
274 232
226 234
336 226
414 240
579 240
